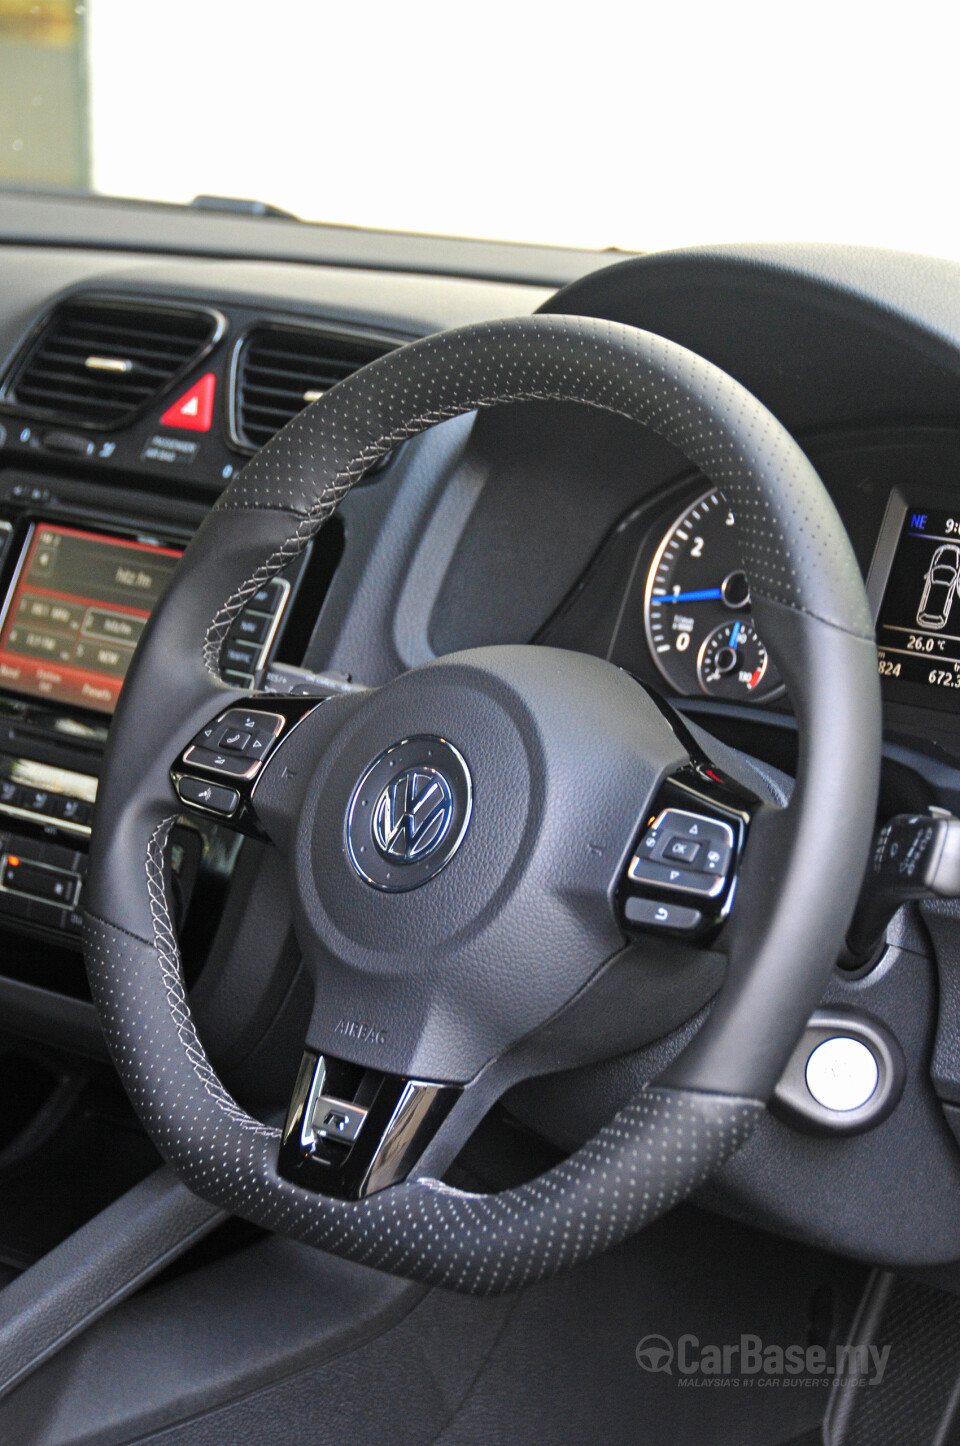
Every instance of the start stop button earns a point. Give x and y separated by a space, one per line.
842 1074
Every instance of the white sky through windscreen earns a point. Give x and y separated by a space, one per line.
594 124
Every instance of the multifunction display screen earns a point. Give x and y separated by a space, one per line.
918 628
80 604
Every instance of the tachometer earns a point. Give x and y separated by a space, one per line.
697 609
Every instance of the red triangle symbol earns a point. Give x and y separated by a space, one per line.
193 412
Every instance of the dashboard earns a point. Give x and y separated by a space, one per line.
135 384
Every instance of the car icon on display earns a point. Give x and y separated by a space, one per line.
939 587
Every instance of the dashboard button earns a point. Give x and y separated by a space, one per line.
267 598
663 916
39 883
209 795
10 793
251 628
685 850
71 444
241 657
842 1074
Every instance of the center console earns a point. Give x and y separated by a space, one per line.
77 586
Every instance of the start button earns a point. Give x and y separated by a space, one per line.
842 1074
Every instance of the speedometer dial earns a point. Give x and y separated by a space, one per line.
697 609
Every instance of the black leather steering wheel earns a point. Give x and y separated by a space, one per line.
482 940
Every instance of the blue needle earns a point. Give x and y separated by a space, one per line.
709 594
734 635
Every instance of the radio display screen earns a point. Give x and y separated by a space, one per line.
78 608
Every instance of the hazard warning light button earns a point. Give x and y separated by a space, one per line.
193 412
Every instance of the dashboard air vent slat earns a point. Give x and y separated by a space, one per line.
99 362
280 369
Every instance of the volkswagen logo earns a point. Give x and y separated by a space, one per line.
409 813
412 815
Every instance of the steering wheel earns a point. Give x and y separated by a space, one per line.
483 854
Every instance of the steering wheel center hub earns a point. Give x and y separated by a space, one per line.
453 888
409 813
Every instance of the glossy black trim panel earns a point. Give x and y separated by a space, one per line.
115 223
401 1116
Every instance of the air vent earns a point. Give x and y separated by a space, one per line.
280 370
99 362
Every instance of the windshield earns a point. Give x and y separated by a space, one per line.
590 125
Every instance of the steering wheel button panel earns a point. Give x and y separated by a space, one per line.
236 743
234 746
681 875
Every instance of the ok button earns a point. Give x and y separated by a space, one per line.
686 849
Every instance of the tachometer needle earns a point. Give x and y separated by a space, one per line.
735 635
708 594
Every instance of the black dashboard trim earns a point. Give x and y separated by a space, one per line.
118 224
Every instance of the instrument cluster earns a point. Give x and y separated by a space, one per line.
696 609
